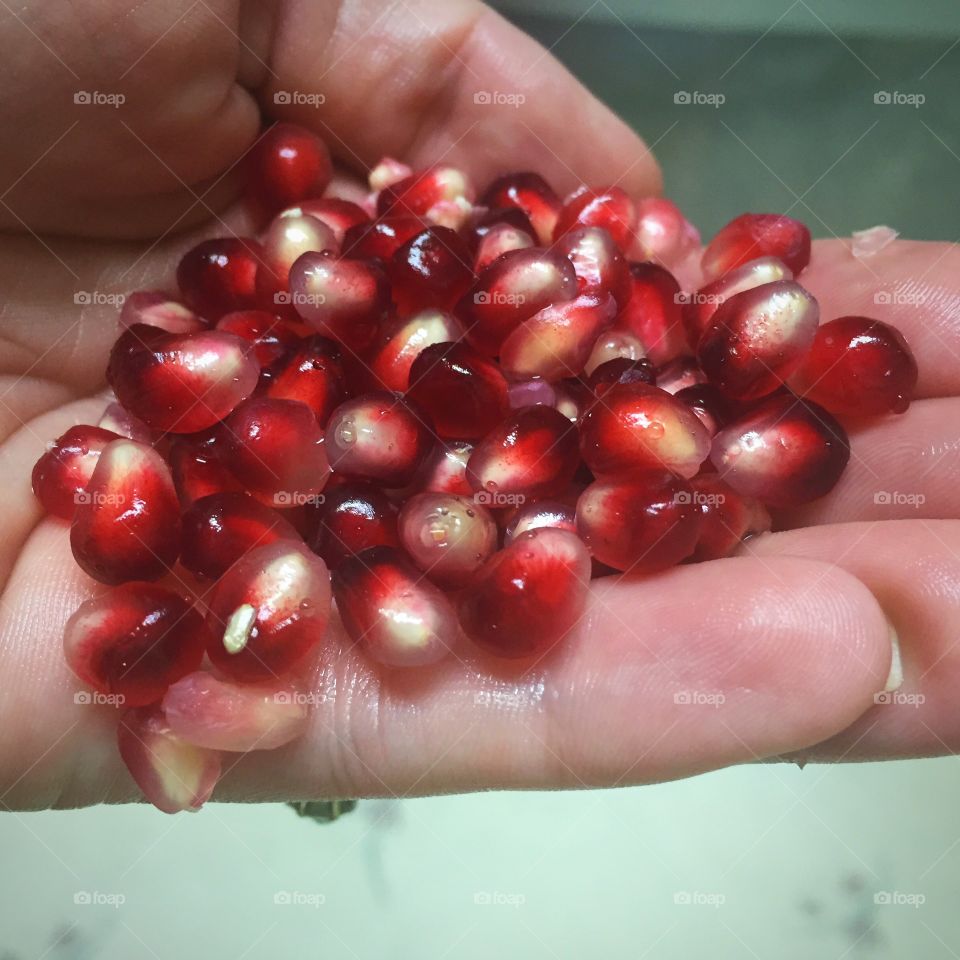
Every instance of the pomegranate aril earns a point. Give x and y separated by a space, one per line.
133 641
287 164
419 194
635 428
597 262
513 288
432 269
530 393
270 336
386 173
285 240
173 775
758 338
275 449
784 452
499 239
156 309
181 383
219 276
197 470
726 518
313 375
268 612
220 715
124 424
540 513
663 233
532 453
377 436
708 403
448 537
402 341
353 517
339 215
62 473
127 522
444 470
621 370
680 373
556 342
642 524
530 193
753 235
573 398
387 605
653 312
462 392
221 528
381 239
858 367
608 207
529 595
614 345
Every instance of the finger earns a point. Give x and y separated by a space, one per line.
697 668
913 568
408 80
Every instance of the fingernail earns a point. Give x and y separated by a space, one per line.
895 677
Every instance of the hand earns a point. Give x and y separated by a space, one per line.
788 647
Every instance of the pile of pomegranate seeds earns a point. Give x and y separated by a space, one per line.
444 413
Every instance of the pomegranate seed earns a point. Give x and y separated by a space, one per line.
708 403
219 715
117 420
286 239
614 345
156 309
573 399
758 338
221 528
354 517
417 195
219 276
499 239
388 606
597 262
609 207
680 373
653 313
445 470
403 340
784 452
698 311
386 173
529 595
541 513
181 383
313 375
448 537
62 473
529 393
127 522
275 449
268 612
637 428
133 641
530 193
342 299
271 337
172 774
621 370
556 342
288 164
512 289
663 233
859 367
197 471
532 453
642 524
726 518
381 239
377 436
446 370
753 235
430 270
339 215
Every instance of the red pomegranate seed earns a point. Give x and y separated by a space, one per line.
530 193
286 165
445 470
699 309
268 612
353 517
529 595
859 367
61 475
388 172
708 403
753 235
313 375
389 607
197 470
417 195
342 299
432 269
448 537
156 309
219 715
636 428
133 641
339 215
663 233
643 524
124 424
726 518
621 370
286 239
219 276
680 373
784 452
556 342
609 207
614 345
172 774
499 239
275 449
271 336
127 522
529 393
381 239
532 453
181 383
402 341
463 392
221 528
597 262
653 313
573 398
377 436
758 338
512 289
540 513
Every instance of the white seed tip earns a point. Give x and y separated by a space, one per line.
238 628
